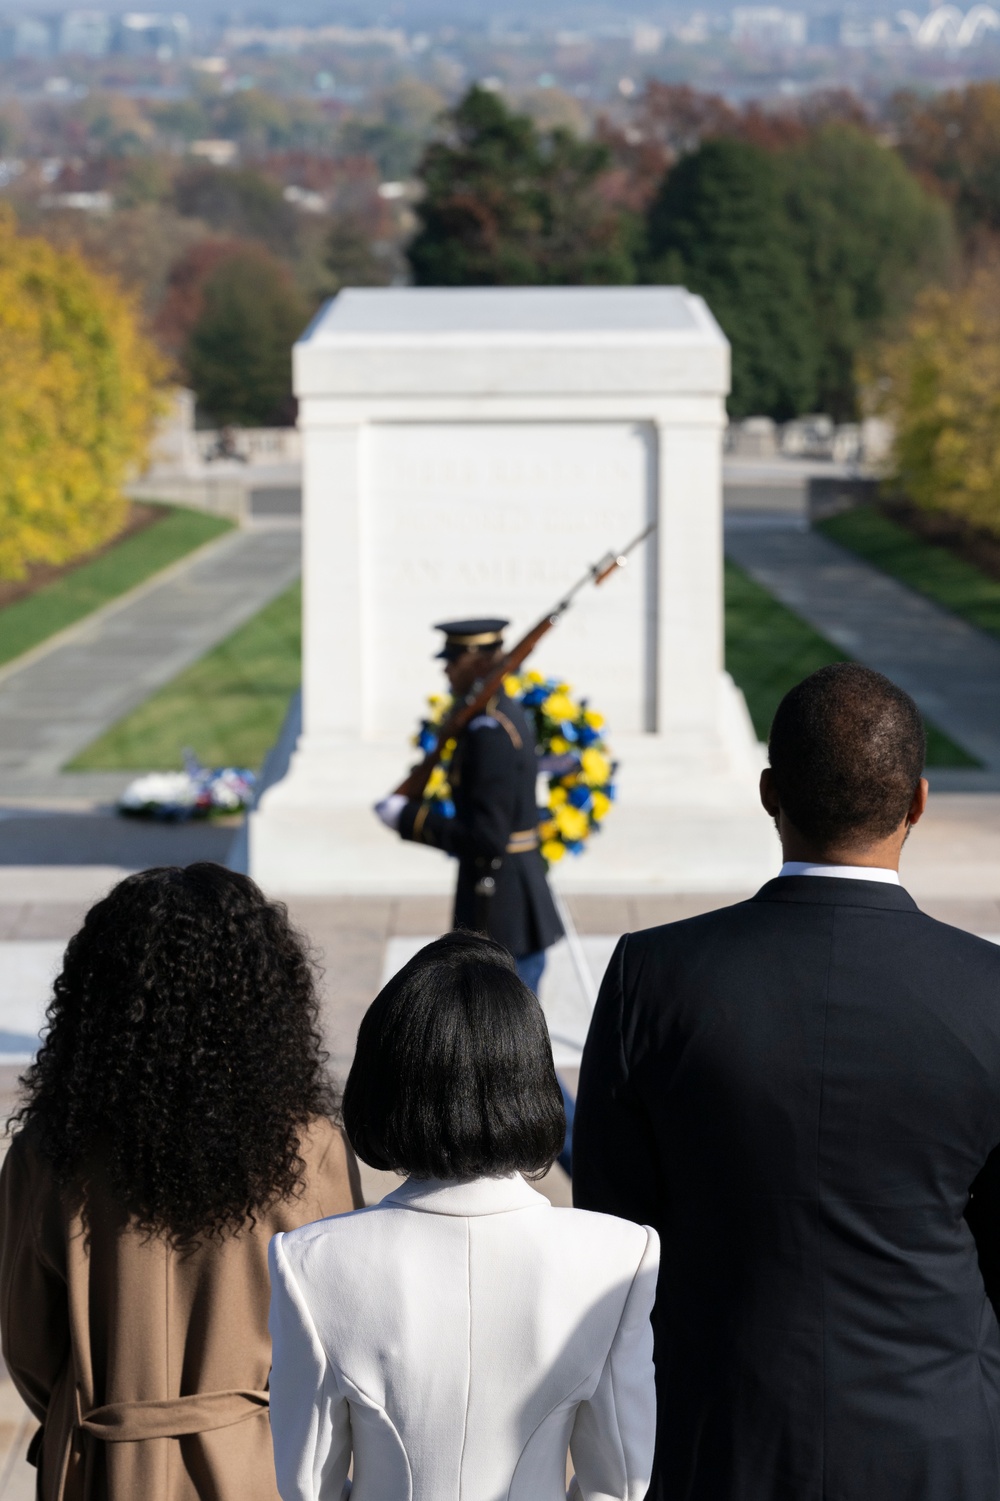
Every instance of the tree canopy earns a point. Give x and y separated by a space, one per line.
807 256
941 387
238 201
953 141
508 205
184 302
77 403
869 236
351 257
239 352
720 226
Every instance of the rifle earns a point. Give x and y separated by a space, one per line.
483 689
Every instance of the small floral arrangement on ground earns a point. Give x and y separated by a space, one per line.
196 792
571 751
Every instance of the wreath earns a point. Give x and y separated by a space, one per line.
571 751
196 792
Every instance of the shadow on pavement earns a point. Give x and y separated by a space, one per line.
29 837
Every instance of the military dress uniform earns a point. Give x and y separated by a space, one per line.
494 833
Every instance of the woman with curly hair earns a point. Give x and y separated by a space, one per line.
178 1115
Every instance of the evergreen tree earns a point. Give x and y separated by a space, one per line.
239 354
506 205
869 236
720 226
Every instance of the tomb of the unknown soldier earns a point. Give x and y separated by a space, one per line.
471 452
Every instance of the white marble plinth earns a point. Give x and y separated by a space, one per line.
666 849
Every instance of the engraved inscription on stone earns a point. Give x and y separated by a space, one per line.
468 519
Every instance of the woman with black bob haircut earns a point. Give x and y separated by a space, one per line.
462 1335
177 1115
453 1074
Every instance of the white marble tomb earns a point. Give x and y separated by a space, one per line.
471 452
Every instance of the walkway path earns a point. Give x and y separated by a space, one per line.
61 698
951 668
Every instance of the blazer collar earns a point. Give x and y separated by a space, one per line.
465 1196
832 891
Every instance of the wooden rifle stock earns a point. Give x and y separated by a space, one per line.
479 695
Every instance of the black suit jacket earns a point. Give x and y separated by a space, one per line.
799 1093
493 776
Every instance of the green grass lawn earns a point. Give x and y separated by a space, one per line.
769 650
931 570
228 707
31 620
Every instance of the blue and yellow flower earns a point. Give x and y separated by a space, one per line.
572 751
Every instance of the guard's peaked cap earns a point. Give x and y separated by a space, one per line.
470 635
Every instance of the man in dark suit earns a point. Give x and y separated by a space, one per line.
502 888
800 1093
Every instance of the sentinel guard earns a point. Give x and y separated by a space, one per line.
502 888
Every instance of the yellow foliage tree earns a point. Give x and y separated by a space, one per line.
941 387
78 397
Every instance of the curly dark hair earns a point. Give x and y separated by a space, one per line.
182 1053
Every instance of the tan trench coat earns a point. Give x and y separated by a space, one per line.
148 1368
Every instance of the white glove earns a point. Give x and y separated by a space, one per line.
390 809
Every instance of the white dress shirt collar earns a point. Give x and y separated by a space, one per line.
841 872
465 1196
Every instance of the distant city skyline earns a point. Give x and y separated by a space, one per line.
422 12
594 53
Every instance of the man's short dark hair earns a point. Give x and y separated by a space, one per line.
847 751
453 1074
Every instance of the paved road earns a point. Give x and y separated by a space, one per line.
951 668
61 699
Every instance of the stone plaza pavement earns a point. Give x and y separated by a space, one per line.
54 862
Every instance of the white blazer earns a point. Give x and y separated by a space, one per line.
454 1340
